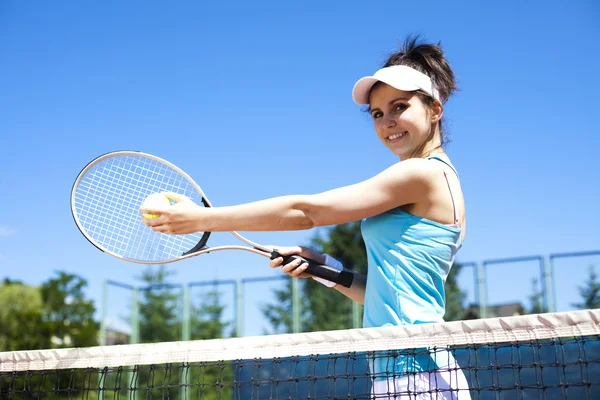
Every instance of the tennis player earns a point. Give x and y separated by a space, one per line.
412 213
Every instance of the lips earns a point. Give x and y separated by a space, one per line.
396 137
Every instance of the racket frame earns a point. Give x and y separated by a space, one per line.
343 277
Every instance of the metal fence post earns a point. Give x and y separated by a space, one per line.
481 282
355 314
186 331
103 317
239 308
135 324
296 305
548 277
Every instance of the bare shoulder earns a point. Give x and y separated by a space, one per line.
417 170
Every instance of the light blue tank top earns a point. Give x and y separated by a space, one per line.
409 258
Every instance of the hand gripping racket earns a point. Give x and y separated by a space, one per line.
105 202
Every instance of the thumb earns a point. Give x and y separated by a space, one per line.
287 251
176 197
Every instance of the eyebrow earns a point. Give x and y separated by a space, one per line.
391 102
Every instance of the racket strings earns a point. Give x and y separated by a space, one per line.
107 201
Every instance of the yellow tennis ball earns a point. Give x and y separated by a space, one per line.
155 200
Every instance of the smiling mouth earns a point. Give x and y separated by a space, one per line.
396 136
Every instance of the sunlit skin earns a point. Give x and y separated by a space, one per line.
414 184
396 112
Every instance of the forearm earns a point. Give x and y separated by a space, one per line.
400 184
276 214
355 292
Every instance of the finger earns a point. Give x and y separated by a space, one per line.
291 266
151 222
297 273
276 262
160 228
153 211
287 251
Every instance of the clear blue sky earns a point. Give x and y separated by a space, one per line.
253 100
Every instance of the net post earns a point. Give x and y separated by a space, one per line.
185 323
239 308
548 279
481 283
295 305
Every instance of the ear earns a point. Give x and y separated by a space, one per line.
437 112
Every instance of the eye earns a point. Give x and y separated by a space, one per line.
377 114
399 107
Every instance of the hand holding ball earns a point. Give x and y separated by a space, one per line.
155 200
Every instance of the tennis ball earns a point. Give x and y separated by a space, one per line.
155 200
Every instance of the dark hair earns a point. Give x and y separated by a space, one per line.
428 59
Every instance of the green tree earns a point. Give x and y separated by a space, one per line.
159 307
535 299
280 313
68 314
21 318
207 318
329 309
455 296
207 323
322 308
590 293
57 314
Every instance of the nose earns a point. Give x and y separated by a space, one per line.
388 120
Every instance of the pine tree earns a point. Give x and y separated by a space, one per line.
535 299
590 293
455 296
207 323
322 308
159 307
207 318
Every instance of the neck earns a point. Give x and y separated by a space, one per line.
430 147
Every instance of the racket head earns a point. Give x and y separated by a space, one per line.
106 198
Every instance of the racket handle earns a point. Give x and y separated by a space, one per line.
342 277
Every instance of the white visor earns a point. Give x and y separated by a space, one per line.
400 77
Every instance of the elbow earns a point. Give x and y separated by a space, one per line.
303 220
303 213
307 223
295 220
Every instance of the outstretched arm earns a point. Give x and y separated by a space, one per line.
403 183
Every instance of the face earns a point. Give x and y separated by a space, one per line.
402 122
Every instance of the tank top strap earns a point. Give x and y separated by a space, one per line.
448 183
445 162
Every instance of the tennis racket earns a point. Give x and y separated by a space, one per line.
105 202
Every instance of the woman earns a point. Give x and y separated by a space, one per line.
413 216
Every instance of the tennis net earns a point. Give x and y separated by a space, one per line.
542 356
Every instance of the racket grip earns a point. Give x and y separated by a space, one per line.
319 270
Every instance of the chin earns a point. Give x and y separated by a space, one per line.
402 153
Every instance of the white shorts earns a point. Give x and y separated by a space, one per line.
448 383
